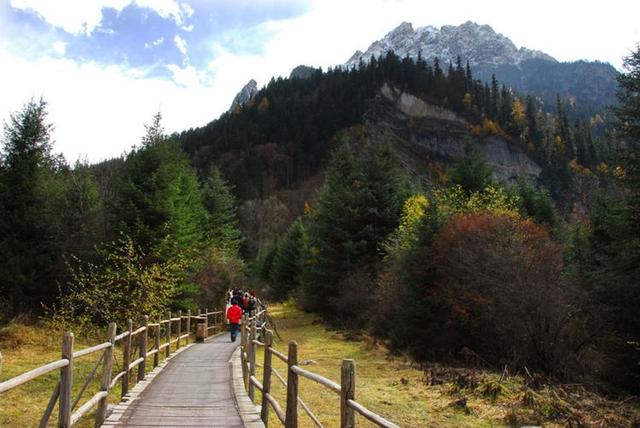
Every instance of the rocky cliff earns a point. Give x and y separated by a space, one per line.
429 139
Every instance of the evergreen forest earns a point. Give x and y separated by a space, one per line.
289 196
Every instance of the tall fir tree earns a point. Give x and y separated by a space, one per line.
28 248
223 226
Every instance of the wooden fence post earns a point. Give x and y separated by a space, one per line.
266 378
348 392
291 418
126 359
243 349
156 343
180 329
206 322
66 382
101 412
144 337
168 334
186 342
252 359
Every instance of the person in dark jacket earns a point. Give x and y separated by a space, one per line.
234 315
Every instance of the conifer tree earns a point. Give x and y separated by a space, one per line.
159 204
28 248
223 227
358 206
470 170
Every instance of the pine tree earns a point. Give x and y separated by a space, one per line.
223 226
286 264
28 249
358 206
159 204
470 170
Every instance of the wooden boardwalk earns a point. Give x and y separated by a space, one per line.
195 389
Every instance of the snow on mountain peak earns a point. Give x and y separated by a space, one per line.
479 44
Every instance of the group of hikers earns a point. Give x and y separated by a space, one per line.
239 303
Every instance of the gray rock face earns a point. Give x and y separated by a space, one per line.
427 136
246 93
302 72
477 43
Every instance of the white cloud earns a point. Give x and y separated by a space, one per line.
59 47
83 16
99 111
186 77
75 16
181 44
154 43
118 101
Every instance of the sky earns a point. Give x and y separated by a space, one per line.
105 67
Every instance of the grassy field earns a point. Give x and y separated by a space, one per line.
414 396
27 347
394 387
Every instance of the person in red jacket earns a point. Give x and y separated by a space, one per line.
234 315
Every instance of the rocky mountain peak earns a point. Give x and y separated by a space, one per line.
247 92
479 44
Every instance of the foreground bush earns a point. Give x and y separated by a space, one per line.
489 286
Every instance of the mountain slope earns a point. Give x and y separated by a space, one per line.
589 85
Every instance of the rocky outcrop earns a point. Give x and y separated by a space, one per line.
429 138
246 93
302 72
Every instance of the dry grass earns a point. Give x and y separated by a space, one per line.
25 347
412 396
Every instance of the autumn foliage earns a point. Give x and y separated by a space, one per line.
487 285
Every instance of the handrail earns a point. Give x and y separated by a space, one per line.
91 350
62 392
138 331
121 336
318 379
376 419
346 390
276 407
32 374
280 355
87 406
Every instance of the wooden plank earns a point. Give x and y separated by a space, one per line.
347 392
32 374
196 382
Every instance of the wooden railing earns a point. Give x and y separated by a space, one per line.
255 327
135 354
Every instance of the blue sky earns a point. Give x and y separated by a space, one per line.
112 64
141 37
